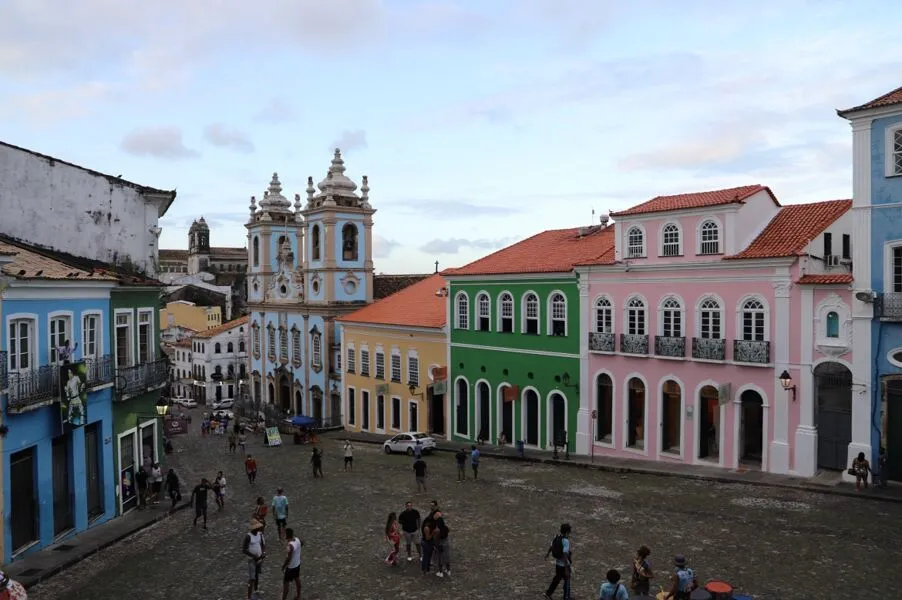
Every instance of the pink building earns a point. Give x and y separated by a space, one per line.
710 298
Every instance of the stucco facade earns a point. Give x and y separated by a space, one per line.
217 362
188 314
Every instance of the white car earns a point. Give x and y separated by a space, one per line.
405 442
223 404
188 402
223 414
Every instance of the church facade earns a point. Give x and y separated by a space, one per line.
307 264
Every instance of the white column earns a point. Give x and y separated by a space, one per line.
583 416
343 393
806 432
778 455
449 325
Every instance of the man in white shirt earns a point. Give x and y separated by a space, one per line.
292 565
255 550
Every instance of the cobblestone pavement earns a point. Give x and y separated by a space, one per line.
773 544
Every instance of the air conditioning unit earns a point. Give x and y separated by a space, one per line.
832 260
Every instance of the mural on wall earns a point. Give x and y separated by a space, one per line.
73 395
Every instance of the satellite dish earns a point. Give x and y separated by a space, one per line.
865 296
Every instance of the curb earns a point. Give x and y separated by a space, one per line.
662 473
53 571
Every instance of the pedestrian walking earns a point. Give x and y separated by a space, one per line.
141 478
250 467
612 589
260 511
173 488
410 525
349 456
861 468
474 461
427 534
292 565
233 442
280 510
255 550
156 482
461 459
419 472
219 486
317 461
199 501
682 581
641 579
443 545
417 450
561 551
393 536
242 441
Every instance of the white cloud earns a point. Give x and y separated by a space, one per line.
350 140
276 111
455 245
159 142
220 135
47 106
383 247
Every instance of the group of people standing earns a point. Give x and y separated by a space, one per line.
254 547
430 536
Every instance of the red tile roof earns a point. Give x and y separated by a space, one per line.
554 251
414 306
737 195
789 232
887 99
27 263
224 327
825 279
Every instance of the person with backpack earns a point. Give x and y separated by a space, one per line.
641 580
612 589
442 546
429 536
560 550
683 580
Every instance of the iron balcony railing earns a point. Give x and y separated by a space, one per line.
601 342
751 351
633 343
709 349
141 378
888 306
4 373
33 388
674 347
100 369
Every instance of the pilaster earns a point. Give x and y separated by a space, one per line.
779 447
584 414
806 433
368 259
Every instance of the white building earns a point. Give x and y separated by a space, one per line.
218 362
72 209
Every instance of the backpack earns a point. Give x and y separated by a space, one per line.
686 577
557 547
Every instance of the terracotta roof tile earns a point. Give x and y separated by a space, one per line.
386 285
414 306
553 251
887 99
168 254
224 327
736 195
181 344
792 228
28 264
825 279
228 251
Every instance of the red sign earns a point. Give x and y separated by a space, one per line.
440 373
511 393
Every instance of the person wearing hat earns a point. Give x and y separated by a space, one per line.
255 549
683 580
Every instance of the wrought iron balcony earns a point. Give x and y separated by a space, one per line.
633 344
751 351
674 347
100 370
138 379
709 348
601 342
888 306
33 388
4 375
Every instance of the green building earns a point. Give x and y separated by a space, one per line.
141 374
514 347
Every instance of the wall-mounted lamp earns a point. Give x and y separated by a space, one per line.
565 379
786 382
162 407
442 292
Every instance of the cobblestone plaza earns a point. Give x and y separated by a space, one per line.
770 543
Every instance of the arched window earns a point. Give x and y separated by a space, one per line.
709 319
256 251
506 313
753 322
832 325
217 348
636 317
531 314
558 315
462 311
349 242
671 318
709 238
483 312
670 240
230 347
314 243
604 321
241 346
635 243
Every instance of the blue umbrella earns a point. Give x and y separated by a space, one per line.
302 421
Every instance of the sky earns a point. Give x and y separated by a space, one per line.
479 123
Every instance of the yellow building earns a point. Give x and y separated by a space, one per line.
187 314
394 359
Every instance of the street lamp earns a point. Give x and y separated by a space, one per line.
786 382
162 407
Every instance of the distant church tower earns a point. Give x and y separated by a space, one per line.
198 247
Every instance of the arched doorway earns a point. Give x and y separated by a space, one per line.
636 410
558 409
506 407
604 404
671 417
462 407
335 410
531 417
298 402
285 394
316 403
708 424
483 408
833 399
751 428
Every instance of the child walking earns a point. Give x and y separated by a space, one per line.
393 535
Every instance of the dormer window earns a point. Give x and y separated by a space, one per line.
635 243
709 238
670 240
894 151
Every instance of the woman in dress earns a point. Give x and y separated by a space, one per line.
260 511
393 536
861 468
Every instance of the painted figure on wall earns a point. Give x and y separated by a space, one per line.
74 394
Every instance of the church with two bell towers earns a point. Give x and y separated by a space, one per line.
308 263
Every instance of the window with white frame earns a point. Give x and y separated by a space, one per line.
395 413
380 364
336 365
413 369
462 311
123 340
396 365
558 314
753 320
351 359
671 318
59 337
709 238
483 312
894 151
896 270
90 336
636 317
364 362
271 341
604 322
316 349
506 313
283 344
21 343
145 336
296 345
670 240
255 332
635 243
531 314
710 315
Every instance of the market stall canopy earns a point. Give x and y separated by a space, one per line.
303 421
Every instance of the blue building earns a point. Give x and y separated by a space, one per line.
877 270
56 395
306 266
